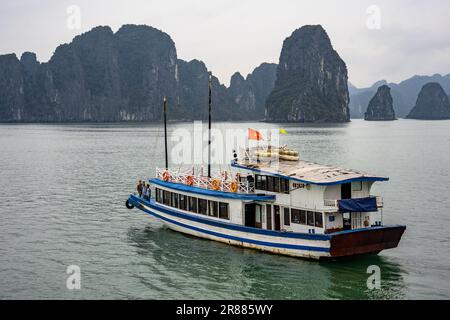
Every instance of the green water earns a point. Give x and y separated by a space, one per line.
63 187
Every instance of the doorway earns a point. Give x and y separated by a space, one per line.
276 216
253 215
347 221
346 191
250 215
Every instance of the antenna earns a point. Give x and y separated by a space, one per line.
209 126
165 132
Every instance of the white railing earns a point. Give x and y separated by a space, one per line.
205 182
330 203
334 203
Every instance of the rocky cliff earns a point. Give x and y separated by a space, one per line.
123 76
12 88
99 76
250 94
432 103
403 93
107 76
311 84
381 106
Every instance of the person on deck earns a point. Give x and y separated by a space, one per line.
139 188
144 191
149 192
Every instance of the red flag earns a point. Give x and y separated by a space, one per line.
254 135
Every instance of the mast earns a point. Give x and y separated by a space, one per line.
209 126
165 132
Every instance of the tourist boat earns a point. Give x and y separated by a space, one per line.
275 202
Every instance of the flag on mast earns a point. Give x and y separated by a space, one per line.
254 135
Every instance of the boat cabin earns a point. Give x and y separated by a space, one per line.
301 197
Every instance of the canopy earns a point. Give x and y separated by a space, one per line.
358 205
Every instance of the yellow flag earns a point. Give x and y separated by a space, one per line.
282 131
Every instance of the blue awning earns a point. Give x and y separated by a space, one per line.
358 205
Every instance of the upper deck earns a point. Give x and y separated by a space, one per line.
305 171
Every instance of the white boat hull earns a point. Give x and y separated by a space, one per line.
311 246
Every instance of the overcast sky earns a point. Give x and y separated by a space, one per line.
411 36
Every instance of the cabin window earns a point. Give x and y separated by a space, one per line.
263 182
269 183
258 216
202 206
284 187
268 216
295 216
174 200
183 204
318 220
213 209
287 220
357 186
273 184
166 195
302 217
258 181
224 211
158 195
310 218
193 204
276 184
163 194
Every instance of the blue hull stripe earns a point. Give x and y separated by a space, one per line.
225 236
230 226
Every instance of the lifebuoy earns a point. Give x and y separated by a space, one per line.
215 184
233 186
189 180
129 205
166 176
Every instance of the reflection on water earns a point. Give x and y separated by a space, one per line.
226 272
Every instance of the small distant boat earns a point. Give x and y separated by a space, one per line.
276 203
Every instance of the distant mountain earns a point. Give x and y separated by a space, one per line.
122 76
311 83
404 94
432 103
250 94
381 106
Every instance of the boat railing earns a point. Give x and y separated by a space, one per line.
334 203
214 183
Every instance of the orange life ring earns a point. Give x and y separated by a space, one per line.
189 180
233 186
215 184
166 176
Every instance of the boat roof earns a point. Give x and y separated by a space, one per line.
308 172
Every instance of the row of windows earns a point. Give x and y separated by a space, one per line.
309 218
196 205
273 184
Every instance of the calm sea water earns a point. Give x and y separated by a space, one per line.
62 195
